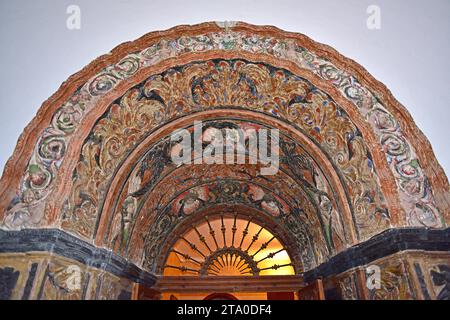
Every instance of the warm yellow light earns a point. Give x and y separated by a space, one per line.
260 244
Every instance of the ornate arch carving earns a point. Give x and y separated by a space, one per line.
40 186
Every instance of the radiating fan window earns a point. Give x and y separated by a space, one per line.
228 246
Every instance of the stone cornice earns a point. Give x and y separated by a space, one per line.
58 242
382 245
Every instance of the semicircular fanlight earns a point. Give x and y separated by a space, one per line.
228 246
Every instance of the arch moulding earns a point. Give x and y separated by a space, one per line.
364 163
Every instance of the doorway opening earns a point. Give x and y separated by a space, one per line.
228 257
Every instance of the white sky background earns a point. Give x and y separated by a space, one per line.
410 54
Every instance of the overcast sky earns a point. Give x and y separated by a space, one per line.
409 53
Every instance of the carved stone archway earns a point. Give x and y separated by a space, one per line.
91 182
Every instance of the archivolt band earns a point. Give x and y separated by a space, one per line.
92 205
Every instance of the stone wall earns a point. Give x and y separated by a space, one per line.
407 275
50 264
